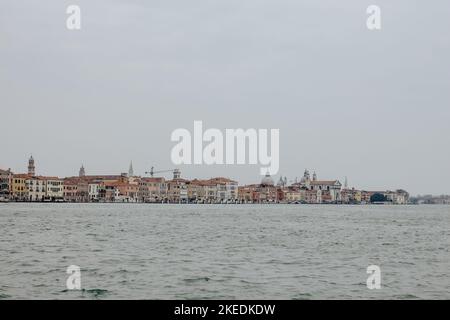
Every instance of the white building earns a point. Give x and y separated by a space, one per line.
397 197
55 189
93 189
330 189
226 190
37 188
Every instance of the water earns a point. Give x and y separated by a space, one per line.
138 251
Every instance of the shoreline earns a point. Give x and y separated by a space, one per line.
231 204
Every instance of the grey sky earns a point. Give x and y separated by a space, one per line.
373 106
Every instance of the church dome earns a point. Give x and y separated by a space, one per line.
267 180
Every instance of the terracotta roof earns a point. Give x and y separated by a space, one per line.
222 180
21 175
324 182
98 177
203 183
154 180
177 180
37 178
70 182
51 178
114 183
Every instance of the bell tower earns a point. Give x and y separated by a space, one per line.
31 167
82 172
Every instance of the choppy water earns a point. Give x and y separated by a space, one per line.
137 251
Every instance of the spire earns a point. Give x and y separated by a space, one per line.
281 182
306 174
314 176
130 170
346 183
82 173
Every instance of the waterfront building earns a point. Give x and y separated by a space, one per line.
144 191
397 197
127 192
177 191
226 189
37 188
209 192
365 196
19 191
246 193
326 196
290 195
70 190
93 189
312 196
108 192
214 190
55 189
83 190
393 197
351 196
194 188
75 190
429 199
152 189
330 189
196 191
265 192
5 184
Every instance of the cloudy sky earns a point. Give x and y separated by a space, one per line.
370 105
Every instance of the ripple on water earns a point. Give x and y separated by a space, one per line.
91 293
302 296
300 252
200 279
406 296
96 293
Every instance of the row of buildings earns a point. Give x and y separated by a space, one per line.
430 199
127 187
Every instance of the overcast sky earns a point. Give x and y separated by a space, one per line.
370 105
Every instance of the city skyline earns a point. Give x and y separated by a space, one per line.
31 171
127 187
370 105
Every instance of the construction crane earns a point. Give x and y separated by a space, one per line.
176 172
